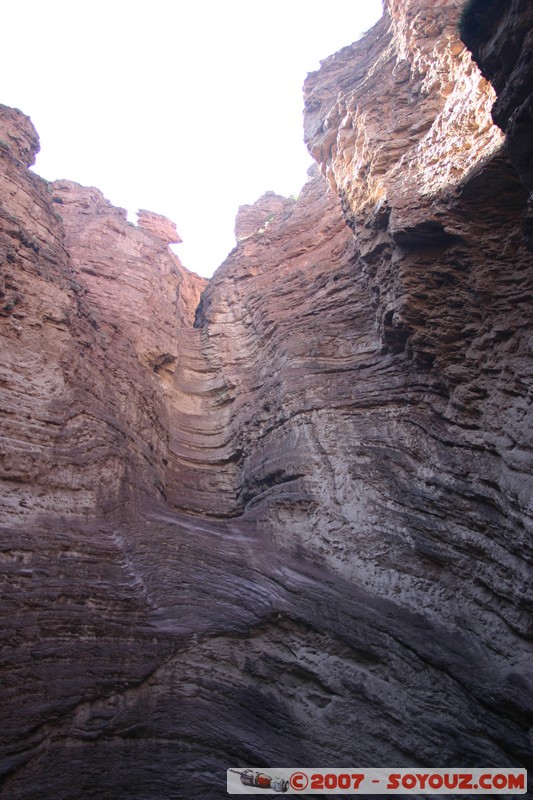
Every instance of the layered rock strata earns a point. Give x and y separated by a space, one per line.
500 36
288 523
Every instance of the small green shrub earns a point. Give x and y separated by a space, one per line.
75 286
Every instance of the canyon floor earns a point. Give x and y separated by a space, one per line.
282 517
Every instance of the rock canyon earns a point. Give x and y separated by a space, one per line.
282 517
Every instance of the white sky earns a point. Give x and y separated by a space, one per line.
188 109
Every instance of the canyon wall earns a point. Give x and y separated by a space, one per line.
282 518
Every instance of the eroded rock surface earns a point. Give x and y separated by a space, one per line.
257 217
160 226
501 40
288 523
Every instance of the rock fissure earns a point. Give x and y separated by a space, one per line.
282 516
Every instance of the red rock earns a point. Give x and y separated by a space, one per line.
381 154
160 226
255 218
18 137
283 517
501 40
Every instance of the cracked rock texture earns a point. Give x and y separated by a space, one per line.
284 518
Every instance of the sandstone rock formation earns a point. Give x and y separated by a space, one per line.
500 37
257 217
159 225
284 518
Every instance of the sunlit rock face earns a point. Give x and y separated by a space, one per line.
283 519
500 37
399 118
257 217
159 226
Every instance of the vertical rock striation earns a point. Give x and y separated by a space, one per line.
288 521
